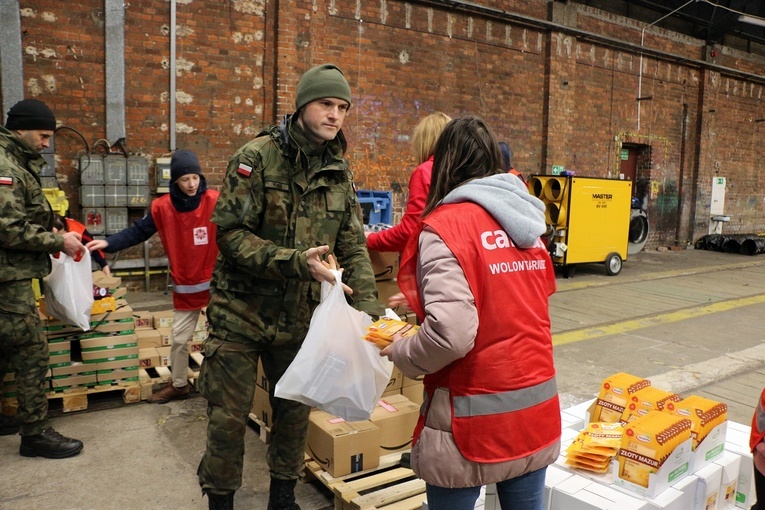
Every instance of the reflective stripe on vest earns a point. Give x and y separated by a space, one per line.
192 289
505 402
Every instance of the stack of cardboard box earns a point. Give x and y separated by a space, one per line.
106 353
155 336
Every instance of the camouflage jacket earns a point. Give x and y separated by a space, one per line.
272 208
26 218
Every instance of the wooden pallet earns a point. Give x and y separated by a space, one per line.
76 399
195 363
386 487
260 428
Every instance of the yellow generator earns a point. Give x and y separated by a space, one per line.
588 219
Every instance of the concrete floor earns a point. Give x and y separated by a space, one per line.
691 321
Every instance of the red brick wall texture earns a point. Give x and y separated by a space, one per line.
557 96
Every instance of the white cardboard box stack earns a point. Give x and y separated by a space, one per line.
723 480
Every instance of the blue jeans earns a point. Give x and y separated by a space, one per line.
523 493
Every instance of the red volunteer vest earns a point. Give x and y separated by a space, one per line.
504 398
758 423
189 240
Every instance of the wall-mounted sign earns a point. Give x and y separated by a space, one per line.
558 169
625 154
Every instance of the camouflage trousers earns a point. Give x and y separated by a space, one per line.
227 380
24 351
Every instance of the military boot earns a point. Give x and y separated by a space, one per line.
9 425
220 501
282 495
49 444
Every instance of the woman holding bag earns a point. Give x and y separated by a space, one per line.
491 412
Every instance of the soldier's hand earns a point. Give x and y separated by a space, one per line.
331 263
72 245
319 269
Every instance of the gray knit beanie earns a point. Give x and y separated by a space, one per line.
326 80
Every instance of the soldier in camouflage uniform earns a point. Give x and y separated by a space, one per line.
26 239
287 200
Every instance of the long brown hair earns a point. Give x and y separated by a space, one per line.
467 149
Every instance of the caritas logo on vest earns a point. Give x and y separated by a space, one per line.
498 239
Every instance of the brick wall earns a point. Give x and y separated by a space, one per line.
557 98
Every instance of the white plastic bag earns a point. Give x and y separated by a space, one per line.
335 369
68 290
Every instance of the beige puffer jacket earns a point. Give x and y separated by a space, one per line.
447 334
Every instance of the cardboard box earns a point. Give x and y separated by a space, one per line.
195 346
396 380
672 499
341 447
109 342
163 319
113 326
120 364
261 407
148 357
384 264
60 360
121 374
164 356
553 476
148 338
731 464
415 393
386 289
123 313
100 355
675 467
165 335
143 320
260 378
708 487
580 493
72 369
745 491
74 380
396 416
710 448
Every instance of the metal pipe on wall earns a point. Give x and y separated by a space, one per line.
115 69
173 16
11 64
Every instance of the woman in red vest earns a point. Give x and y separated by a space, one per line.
757 442
424 138
182 219
491 411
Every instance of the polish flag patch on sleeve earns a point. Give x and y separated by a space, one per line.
6 181
245 170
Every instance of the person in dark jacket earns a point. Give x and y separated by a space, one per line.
182 219
26 242
64 224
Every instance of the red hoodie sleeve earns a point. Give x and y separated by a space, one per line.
395 238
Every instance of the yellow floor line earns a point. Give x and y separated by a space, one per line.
579 335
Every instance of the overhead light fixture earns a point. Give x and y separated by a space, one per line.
752 20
